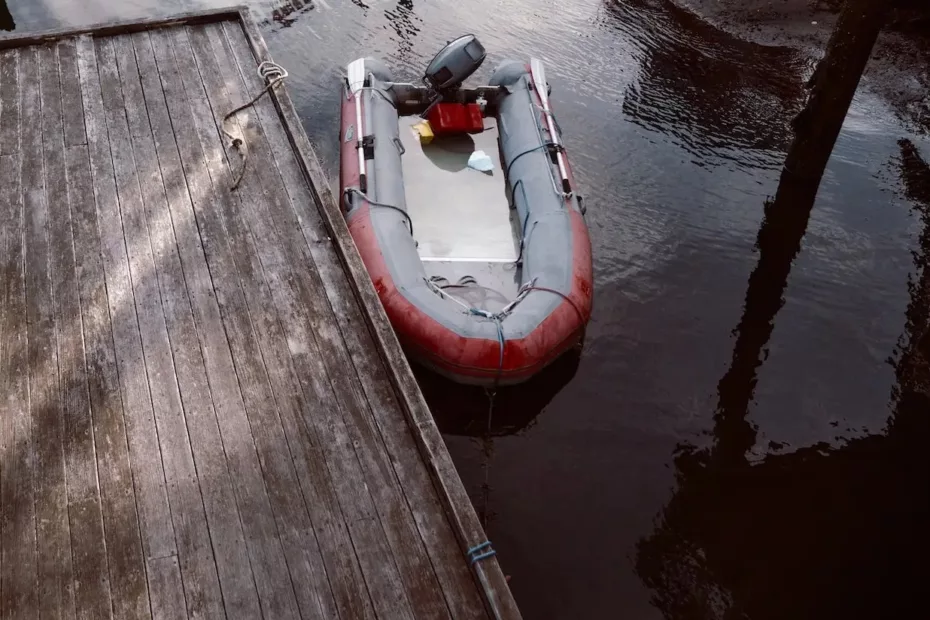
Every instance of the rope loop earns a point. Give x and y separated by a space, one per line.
271 71
480 552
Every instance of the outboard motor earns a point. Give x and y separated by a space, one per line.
454 63
451 66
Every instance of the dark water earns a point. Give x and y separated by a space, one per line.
745 432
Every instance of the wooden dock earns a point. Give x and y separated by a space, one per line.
204 412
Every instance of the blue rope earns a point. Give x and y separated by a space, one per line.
481 552
500 340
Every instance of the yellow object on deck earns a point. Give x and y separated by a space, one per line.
425 132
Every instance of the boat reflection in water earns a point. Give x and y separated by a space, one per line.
462 410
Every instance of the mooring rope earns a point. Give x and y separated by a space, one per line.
487 449
272 74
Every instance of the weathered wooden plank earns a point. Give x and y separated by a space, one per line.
268 559
95 186
383 581
91 583
415 565
183 167
6 59
81 464
278 457
326 419
91 588
71 102
327 518
17 526
171 364
165 582
121 27
10 284
210 289
316 467
19 593
459 510
44 139
289 273
9 102
118 508
135 310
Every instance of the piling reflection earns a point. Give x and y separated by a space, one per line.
6 18
820 532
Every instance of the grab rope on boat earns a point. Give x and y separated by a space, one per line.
551 147
499 316
375 203
272 74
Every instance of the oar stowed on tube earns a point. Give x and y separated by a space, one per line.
541 86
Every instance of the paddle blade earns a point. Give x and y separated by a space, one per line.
539 80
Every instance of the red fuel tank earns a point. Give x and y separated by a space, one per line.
453 118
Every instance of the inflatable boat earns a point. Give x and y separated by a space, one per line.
463 206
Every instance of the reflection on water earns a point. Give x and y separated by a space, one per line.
404 23
6 19
914 347
778 244
462 410
823 532
675 131
717 94
465 411
286 12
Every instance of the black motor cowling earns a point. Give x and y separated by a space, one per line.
454 63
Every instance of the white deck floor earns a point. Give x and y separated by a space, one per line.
462 220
